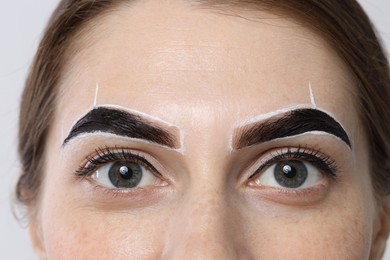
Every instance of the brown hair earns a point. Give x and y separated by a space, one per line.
342 23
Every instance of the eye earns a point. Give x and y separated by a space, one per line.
289 174
294 168
124 174
120 168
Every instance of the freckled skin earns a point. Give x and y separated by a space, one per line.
204 73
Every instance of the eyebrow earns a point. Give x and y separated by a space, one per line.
289 124
122 123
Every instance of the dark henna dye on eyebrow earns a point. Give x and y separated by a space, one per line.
292 123
122 123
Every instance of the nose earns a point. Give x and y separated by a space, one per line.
206 227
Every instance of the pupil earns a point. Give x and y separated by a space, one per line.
290 174
125 172
289 171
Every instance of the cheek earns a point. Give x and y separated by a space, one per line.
338 232
100 235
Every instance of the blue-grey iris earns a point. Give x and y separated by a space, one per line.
290 174
125 174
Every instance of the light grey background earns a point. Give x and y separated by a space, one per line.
21 25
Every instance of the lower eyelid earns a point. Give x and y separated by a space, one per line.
124 199
292 197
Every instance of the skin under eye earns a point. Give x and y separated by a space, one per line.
297 168
124 174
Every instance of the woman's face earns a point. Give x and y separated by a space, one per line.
185 132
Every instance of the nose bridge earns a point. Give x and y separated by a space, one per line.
201 227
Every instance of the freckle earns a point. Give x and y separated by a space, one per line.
355 221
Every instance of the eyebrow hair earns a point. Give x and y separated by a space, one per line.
122 123
289 124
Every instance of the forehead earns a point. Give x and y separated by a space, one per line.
187 56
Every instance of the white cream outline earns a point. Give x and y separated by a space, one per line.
263 117
96 95
181 148
282 111
312 98
242 123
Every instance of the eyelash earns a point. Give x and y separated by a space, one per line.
107 155
323 162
